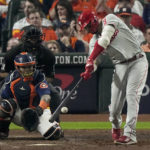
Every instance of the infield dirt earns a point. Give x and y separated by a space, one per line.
75 139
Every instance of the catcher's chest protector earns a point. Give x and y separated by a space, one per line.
23 92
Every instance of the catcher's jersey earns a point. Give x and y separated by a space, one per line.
27 94
123 44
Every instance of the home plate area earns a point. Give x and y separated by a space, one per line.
73 140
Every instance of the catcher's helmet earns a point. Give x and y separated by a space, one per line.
25 64
86 18
24 59
30 33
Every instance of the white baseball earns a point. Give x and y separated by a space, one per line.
64 110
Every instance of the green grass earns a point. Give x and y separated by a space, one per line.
90 125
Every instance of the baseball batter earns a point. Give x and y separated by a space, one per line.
112 36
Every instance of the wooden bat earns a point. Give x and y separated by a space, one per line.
57 111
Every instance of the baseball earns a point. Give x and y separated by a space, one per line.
64 110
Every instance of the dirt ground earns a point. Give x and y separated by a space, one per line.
75 139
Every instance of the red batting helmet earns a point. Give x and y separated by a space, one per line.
87 17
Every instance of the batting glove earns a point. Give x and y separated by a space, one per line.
89 68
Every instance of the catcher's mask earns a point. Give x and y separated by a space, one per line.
31 34
25 64
88 19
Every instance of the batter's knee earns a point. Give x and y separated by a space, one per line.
7 108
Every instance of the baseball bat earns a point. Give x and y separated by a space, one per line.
57 111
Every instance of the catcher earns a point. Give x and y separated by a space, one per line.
25 99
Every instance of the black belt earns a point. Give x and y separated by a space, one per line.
132 59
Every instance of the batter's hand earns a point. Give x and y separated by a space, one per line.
89 67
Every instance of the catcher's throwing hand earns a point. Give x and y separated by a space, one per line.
29 119
89 67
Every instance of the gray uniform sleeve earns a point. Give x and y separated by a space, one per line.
111 19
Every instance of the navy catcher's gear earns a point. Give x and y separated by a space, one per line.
4 128
29 119
7 108
22 92
24 59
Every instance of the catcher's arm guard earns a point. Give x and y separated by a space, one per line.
29 119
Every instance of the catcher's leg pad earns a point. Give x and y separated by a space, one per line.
47 129
29 119
4 128
7 108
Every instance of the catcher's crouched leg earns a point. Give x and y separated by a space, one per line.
50 131
7 111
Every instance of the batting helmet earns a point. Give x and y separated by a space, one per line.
88 17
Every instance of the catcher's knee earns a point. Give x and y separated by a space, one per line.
53 133
7 108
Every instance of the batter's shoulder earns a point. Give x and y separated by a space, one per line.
111 16
111 19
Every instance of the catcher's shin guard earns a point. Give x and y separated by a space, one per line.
4 128
7 111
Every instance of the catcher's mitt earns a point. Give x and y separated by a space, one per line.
29 119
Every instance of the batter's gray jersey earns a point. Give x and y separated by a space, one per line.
129 76
118 49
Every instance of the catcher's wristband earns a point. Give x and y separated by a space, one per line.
43 104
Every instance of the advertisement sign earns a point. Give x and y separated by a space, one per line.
145 99
84 99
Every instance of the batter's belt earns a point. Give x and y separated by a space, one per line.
132 59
